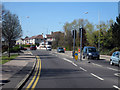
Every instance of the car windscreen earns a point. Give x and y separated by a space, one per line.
60 48
92 49
118 54
48 47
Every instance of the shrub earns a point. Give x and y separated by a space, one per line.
15 49
27 45
114 49
4 48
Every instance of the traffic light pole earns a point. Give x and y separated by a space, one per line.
81 44
74 43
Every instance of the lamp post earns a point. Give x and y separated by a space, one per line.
81 31
99 32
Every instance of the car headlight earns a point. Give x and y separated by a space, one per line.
90 53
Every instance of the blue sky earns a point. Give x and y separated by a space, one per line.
45 17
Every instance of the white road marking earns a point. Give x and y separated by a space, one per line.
97 64
70 61
97 76
67 60
117 74
116 87
112 69
74 64
83 69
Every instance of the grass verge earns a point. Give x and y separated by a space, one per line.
5 59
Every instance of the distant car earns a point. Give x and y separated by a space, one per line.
22 48
33 48
48 48
90 53
60 49
115 58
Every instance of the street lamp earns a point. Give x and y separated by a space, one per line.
99 32
81 30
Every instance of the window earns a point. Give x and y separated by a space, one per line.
91 49
113 54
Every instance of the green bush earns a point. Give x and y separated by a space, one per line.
27 45
37 44
4 48
105 52
114 49
15 49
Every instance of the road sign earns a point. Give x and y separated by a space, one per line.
76 55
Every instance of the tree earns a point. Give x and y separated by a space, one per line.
59 38
75 25
11 28
116 32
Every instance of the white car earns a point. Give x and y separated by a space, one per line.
48 48
115 58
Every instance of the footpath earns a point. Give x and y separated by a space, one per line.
69 54
15 73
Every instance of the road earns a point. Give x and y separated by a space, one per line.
59 71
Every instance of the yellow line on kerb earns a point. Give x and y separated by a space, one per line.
38 76
34 74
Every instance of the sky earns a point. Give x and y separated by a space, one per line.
43 17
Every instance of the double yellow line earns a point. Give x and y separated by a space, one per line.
36 76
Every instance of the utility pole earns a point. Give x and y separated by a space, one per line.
80 31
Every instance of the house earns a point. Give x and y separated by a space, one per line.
36 39
20 41
30 40
48 39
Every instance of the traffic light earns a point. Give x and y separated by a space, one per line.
80 29
74 34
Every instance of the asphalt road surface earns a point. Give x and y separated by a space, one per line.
55 70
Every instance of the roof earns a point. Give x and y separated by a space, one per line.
37 37
49 36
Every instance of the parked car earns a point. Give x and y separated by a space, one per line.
90 53
115 58
33 48
22 48
48 48
60 49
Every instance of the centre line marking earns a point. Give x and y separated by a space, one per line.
97 64
83 69
70 61
67 60
112 69
74 64
116 87
97 76
117 74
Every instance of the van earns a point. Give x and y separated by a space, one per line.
90 53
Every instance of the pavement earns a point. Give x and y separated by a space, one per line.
16 72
